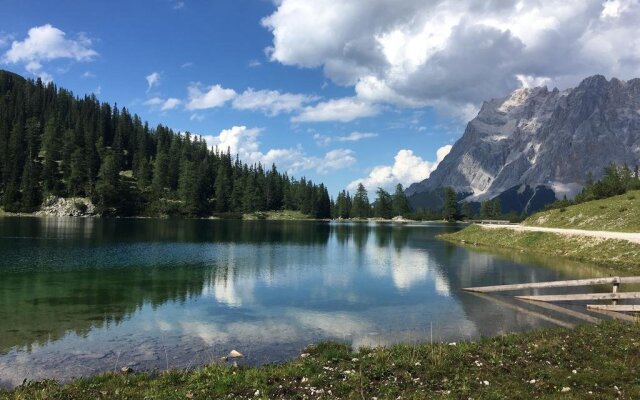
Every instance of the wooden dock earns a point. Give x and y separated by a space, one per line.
613 310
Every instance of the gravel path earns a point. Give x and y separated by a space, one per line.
631 237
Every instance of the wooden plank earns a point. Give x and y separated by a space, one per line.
617 315
523 310
555 284
583 296
564 310
620 308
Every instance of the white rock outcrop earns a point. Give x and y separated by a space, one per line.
62 207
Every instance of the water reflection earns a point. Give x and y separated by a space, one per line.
80 295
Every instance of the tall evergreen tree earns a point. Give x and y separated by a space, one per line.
361 207
400 202
108 184
467 213
450 209
383 206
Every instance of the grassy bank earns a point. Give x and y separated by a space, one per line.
616 254
591 361
619 213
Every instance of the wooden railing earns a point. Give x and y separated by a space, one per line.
614 296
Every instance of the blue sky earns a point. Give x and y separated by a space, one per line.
338 91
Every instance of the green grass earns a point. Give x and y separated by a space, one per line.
619 213
277 215
591 361
620 255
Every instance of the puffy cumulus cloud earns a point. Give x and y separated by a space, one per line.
407 168
344 110
271 102
209 97
245 142
46 43
453 55
153 79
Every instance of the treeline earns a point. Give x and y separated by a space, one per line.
616 180
488 209
386 205
52 143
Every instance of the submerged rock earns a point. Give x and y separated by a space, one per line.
235 354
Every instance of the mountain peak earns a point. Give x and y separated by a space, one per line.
594 81
535 137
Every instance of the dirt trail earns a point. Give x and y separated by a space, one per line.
631 237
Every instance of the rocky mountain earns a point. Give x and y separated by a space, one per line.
538 144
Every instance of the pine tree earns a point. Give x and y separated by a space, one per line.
383 206
77 174
467 213
108 184
486 209
223 189
14 168
361 207
400 202
450 209
497 208
51 147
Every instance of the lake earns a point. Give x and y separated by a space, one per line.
83 296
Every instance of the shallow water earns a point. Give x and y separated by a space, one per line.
82 296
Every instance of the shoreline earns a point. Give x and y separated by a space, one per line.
245 217
615 254
572 363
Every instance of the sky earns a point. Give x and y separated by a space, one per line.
339 91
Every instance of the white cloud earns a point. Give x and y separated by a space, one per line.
254 63
453 55
163 104
211 97
196 117
187 64
154 101
170 104
336 160
178 5
407 168
88 74
153 80
271 102
343 110
244 142
46 43
322 140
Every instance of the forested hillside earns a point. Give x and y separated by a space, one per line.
52 143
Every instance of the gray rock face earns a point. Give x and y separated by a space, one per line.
541 137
